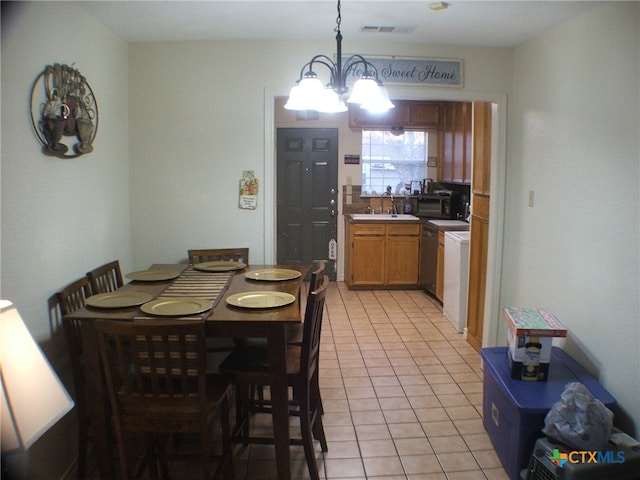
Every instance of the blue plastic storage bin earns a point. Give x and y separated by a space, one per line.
514 410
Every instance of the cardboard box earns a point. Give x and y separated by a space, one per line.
529 357
530 338
533 322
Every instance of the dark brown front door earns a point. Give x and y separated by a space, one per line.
307 184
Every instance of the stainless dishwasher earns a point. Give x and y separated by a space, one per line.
429 257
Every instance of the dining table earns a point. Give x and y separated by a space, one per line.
256 301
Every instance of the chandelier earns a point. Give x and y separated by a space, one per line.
309 93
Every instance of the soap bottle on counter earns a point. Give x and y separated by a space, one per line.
406 208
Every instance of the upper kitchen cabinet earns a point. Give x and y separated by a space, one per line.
406 114
456 155
425 114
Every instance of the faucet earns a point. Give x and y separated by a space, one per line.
393 209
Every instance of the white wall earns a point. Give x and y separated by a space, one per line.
573 140
197 120
60 217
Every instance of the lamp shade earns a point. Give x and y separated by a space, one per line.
33 398
363 89
296 100
330 102
378 102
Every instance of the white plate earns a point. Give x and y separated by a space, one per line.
219 266
118 299
260 299
154 275
171 307
273 274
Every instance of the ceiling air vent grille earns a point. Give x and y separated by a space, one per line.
386 29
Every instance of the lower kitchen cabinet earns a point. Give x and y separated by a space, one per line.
366 258
382 254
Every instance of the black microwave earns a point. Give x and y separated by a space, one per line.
438 206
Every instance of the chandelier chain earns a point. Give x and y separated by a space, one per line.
338 19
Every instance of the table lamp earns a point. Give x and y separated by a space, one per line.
33 397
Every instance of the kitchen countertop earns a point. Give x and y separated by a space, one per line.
449 224
381 217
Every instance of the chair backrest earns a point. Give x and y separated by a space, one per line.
105 278
155 373
213 254
71 298
74 296
312 327
317 276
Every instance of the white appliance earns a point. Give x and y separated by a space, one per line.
456 278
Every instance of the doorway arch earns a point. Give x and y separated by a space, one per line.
497 187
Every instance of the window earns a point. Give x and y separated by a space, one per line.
392 159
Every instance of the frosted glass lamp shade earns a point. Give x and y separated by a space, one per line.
378 102
330 102
363 89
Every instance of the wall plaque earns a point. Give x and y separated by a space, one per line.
64 112
442 72
249 186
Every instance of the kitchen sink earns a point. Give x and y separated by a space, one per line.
382 216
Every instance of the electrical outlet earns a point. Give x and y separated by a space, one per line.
530 198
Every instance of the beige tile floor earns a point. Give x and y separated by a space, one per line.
402 393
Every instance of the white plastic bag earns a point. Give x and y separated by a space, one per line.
579 420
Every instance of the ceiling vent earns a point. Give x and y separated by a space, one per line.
387 29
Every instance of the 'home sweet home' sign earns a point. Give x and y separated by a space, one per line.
416 71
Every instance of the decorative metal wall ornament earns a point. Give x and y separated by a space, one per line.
63 105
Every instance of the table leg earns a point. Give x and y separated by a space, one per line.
280 399
96 395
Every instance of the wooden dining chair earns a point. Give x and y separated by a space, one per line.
249 367
71 298
156 375
105 278
213 254
294 332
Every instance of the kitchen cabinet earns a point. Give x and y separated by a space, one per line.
405 114
365 254
440 267
425 114
479 243
382 254
455 143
